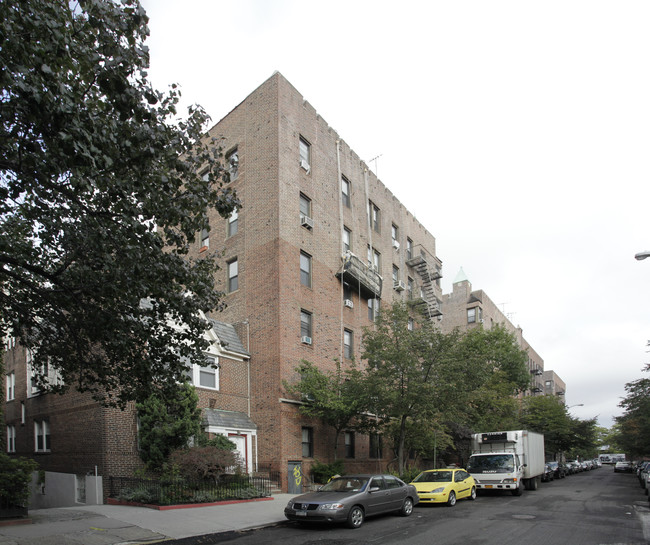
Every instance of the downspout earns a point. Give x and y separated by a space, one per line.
338 167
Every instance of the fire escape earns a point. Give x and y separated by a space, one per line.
361 276
536 386
428 270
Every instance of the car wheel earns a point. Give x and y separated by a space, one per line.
355 517
407 507
472 494
452 499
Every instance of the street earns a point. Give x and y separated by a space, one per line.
590 508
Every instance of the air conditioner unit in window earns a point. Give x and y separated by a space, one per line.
399 286
348 303
306 221
480 321
305 165
395 244
305 340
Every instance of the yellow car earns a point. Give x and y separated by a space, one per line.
444 486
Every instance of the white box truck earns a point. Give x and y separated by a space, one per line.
507 460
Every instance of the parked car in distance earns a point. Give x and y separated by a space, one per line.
444 486
352 498
624 467
559 469
548 474
575 466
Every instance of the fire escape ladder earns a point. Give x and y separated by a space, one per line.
428 270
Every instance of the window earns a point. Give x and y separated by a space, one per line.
347 236
392 482
233 275
205 377
233 223
373 309
374 258
347 291
410 325
41 436
11 438
345 191
40 376
232 161
305 154
395 274
205 238
375 218
305 206
11 386
349 444
375 446
305 324
394 233
307 442
409 287
471 315
348 344
409 249
305 269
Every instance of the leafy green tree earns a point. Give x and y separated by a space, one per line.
15 477
167 423
404 376
584 438
102 192
548 415
634 425
334 397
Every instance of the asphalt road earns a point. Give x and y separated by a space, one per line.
592 508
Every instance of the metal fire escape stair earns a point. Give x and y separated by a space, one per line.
428 270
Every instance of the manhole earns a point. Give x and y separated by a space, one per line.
523 517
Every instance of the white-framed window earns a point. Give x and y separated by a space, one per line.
205 238
410 325
409 249
409 287
395 274
305 324
345 191
305 206
471 315
11 386
305 269
233 223
373 309
233 275
375 217
347 237
394 233
374 258
348 344
49 373
232 162
11 438
41 436
206 377
305 154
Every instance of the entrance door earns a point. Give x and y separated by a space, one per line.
240 442
295 477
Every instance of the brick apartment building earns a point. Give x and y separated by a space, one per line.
317 246
465 308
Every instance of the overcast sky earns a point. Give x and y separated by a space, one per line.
517 132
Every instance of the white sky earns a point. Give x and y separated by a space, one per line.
517 132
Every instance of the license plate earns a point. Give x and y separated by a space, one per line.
488 486
301 513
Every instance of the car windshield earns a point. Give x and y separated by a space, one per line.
434 477
491 463
345 484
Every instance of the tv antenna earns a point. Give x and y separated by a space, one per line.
375 160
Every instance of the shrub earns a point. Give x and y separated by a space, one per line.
322 472
15 478
203 463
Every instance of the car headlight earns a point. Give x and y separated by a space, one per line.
438 490
290 505
330 506
510 480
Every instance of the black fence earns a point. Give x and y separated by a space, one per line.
180 491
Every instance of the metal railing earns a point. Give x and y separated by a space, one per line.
183 491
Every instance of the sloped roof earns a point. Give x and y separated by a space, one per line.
228 419
228 337
461 277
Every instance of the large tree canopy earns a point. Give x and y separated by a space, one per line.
102 192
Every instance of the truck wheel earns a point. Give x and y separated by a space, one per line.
519 490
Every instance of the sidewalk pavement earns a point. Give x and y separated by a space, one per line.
120 524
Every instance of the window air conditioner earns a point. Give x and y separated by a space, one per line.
399 286
305 340
306 221
305 165
348 303
480 320
395 244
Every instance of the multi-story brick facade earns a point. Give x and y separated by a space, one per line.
318 243
465 308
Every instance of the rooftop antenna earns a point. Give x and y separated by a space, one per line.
375 160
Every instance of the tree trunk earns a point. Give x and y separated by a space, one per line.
400 446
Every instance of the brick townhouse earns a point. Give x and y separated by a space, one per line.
318 245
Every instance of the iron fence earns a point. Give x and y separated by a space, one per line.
180 491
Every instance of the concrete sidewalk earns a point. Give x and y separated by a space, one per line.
118 524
